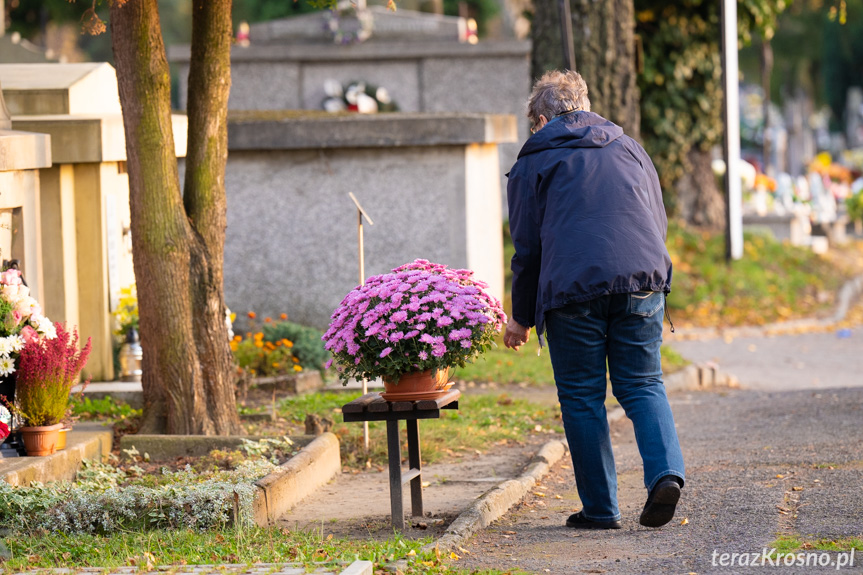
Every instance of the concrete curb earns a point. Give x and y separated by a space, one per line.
699 377
85 441
315 464
496 502
851 290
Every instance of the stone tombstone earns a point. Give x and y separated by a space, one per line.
22 154
84 195
428 181
854 117
417 57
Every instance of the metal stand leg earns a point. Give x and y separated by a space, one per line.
394 451
415 463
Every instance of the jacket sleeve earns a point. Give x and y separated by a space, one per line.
524 228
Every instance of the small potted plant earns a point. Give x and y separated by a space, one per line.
410 326
47 371
21 321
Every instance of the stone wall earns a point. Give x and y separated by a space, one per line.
427 181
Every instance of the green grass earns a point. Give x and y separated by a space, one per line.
772 282
503 365
789 543
252 545
480 422
105 408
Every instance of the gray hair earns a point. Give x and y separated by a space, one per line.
556 93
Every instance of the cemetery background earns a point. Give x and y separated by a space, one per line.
256 121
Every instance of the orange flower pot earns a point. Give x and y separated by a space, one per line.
40 440
416 385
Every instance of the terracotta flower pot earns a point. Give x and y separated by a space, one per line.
415 385
41 440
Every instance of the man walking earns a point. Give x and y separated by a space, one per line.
591 269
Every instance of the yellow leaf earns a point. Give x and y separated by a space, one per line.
453 556
685 521
412 553
538 494
428 563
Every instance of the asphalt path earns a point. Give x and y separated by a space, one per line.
784 362
760 465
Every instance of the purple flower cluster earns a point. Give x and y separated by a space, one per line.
420 316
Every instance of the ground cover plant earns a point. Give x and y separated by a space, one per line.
215 491
231 545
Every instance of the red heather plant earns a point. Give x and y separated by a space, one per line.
47 371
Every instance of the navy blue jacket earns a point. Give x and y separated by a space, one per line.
586 217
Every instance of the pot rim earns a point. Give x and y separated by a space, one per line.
37 428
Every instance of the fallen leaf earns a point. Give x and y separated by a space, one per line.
779 476
453 556
330 537
509 532
538 494
463 550
426 483
796 489
685 521
411 553
558 497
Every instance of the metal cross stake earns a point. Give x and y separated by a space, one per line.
361 213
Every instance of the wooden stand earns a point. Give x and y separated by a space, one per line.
372 407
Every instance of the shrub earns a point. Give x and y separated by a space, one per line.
308 346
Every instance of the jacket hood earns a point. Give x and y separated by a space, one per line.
575 130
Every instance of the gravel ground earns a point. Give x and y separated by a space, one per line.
759 464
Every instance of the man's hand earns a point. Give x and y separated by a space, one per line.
516 335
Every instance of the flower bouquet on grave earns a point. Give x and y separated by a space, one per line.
21 323
413 324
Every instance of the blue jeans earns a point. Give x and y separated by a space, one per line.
625 330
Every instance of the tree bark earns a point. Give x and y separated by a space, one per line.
604 33
700 202
185 377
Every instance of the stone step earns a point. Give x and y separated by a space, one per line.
86 441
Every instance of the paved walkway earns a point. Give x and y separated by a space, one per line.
780 457
784 362
759 464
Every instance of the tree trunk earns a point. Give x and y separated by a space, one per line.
700 202
186 374
206 205
604 33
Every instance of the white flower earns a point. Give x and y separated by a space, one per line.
16 343
43 326
7 366
6 345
